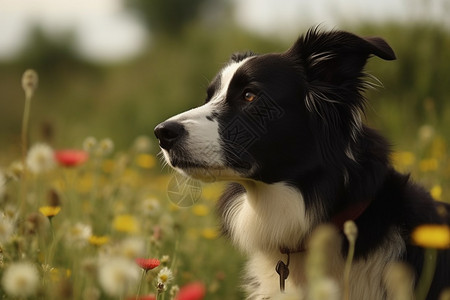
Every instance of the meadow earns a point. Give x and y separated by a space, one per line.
87 211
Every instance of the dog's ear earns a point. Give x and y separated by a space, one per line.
337 56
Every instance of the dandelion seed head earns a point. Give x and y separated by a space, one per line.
118 275
78 235
150 206
30 82
142 144
132 247
350 231
89 144
20 279
106 146
40 158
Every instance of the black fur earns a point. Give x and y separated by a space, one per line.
308 146
303 127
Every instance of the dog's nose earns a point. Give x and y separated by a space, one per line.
169 133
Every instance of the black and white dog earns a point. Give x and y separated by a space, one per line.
287 130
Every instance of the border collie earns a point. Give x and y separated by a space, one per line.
286 129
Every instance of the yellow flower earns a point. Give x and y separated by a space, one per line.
438 148
210 233
436 192
432 236
200 210
145 161
50 211
108 165
125 223
403 159
428 165
98 240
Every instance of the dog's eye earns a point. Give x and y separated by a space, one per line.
249 96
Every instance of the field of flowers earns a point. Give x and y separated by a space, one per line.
94 223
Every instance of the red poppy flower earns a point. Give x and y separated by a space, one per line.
148 263
71 158
192 291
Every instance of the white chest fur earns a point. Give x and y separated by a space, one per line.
270 216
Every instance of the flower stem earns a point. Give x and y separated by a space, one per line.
348 266
140 284
429 266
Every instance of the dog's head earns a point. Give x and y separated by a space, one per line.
276 117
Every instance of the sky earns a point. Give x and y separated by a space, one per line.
106 32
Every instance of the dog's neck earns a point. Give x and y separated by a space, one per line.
275 217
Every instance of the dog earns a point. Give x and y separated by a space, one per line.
286 130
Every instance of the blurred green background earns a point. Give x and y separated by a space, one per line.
184 44
177 46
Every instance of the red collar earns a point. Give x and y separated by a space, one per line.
352 212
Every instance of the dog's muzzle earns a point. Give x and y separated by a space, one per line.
169 133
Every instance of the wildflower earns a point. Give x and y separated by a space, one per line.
436 192
40 158
98 240
30 81
79 234
399 280
325 289
192 291
428 165
6 229
50 211
403 159
164 277
426 133
132 247
145 161
89 144
210 233
142 144
125 223
174 291
165 259
118 275
200 210
147 263
150 206
20 279
108 165
71 158
432 236
15 170
350 231
35 223
106 146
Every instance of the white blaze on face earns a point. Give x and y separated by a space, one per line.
202 143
